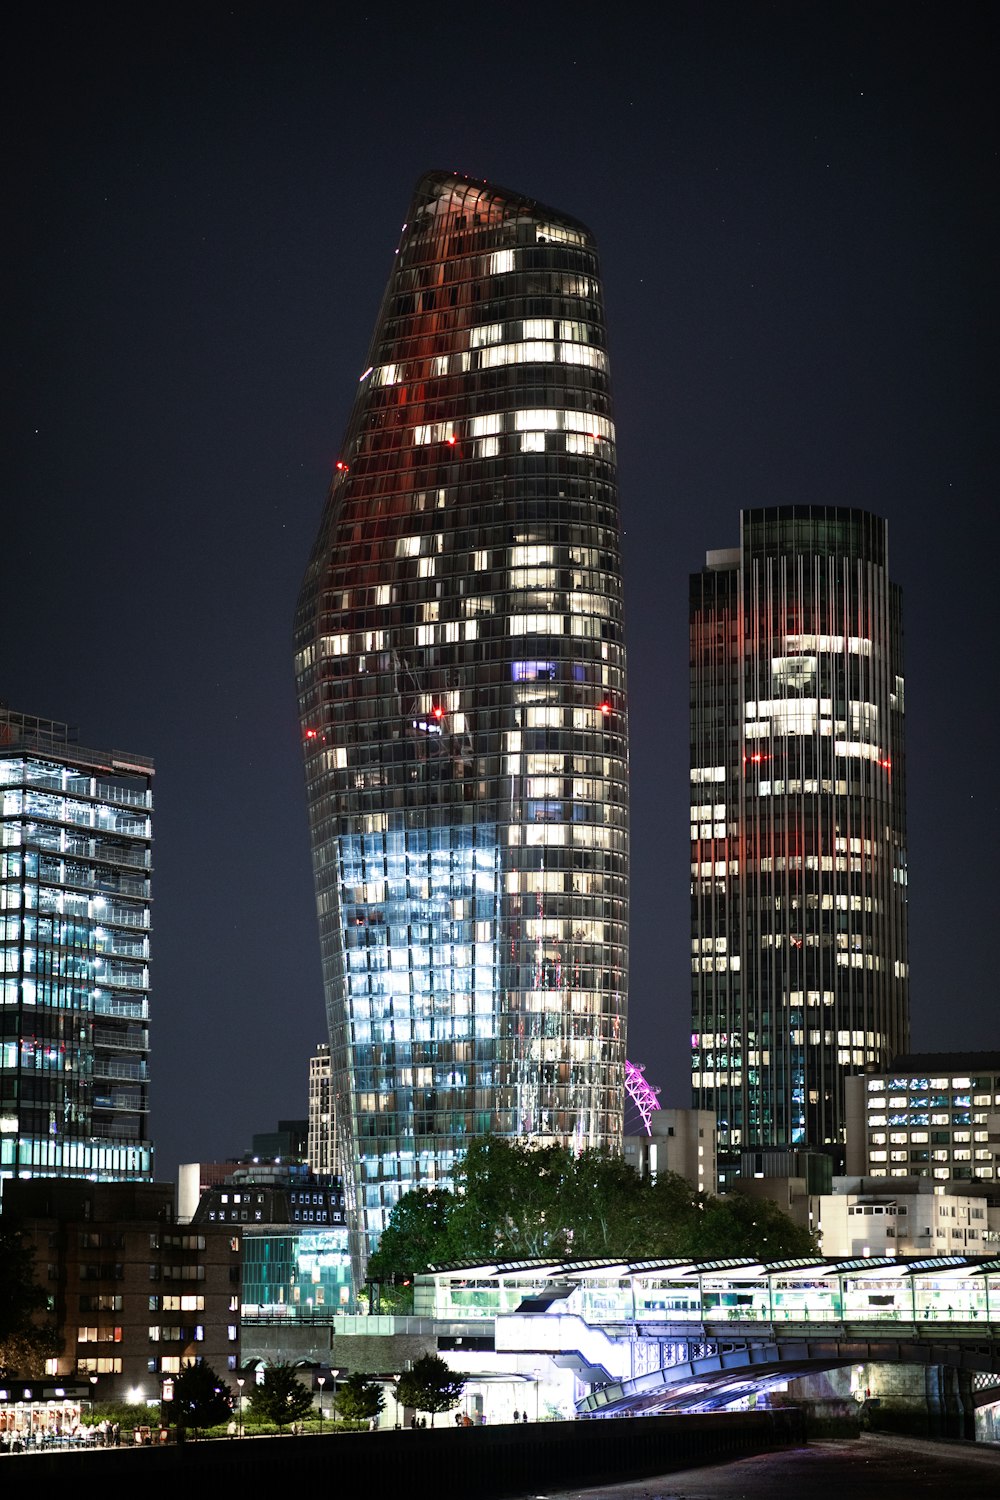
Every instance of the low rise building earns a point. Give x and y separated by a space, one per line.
295 1261
866 1216
136 1296
679 1140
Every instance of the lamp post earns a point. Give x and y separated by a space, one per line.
241 1382
321 1382
334 1374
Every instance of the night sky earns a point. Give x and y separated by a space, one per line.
796 209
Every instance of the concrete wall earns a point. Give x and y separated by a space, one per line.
932 1401
479 1463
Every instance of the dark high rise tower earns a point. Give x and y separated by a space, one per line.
461 678
798 857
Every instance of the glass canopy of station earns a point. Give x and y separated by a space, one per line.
943 1289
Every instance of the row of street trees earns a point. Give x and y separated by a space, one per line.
514 1201
203 1400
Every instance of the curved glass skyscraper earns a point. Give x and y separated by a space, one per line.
461 677
798 825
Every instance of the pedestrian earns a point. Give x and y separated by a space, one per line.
524 1416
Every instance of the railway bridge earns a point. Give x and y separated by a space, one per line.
647 1336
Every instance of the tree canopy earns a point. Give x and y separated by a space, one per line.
430 1386
201 1398
514 1201
281 1397
25 1343
359 1399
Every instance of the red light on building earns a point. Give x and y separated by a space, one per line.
310 734
438 711
451 441
606 709
341 466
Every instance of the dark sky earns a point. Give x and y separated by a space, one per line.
797 213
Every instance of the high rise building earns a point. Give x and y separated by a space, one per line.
798 858
461 676
321 1150
74 944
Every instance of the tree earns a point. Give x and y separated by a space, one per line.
201 1399
25 1344
739 1224
514 1201
430 1386
418 1235
281 1398
359 1399
511 1200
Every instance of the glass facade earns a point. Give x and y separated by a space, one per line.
938 1289
798 858
295 1274
74 956
461 675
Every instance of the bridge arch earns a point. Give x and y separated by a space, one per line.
707 1376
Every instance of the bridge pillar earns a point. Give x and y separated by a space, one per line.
828 1402
921 1400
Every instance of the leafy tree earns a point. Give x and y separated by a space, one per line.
510 1200
739 1224
516 1201
418 1234
201 1399
25 1344
430 1386
281 1398
359 1399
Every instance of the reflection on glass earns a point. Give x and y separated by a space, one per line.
461 678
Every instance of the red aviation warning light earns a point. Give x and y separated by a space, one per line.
451 440
605 709
342 468
438 711
311 734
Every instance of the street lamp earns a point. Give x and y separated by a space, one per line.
321 1382
241 1382
334 1373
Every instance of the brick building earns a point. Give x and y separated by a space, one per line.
136 1296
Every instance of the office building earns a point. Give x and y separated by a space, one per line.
295 1256
322 1146
461 677
135 1297
913 1215
680 1141
74 952
931 1114
798 858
